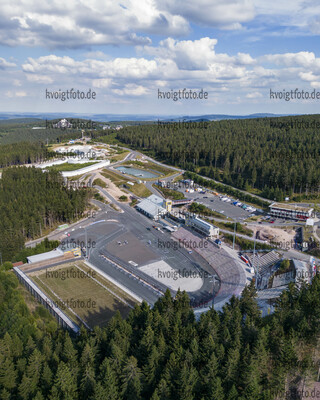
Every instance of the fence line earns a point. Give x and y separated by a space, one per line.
63 320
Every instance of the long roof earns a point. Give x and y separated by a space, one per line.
152 205
45 256
292 207
205 224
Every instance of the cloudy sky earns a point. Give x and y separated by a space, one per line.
236 50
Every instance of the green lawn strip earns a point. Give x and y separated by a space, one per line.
140 190
100 182
170 193
70 167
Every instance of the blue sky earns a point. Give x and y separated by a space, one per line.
125 51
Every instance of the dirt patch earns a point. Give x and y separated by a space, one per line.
111 188
274 234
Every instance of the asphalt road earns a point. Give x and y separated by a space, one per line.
130 222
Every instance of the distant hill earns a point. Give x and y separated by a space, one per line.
19 120
31 117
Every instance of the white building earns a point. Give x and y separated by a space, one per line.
153 207
290 211
202 227
45 256
63 123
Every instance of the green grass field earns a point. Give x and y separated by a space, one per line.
70 167
119 156
139 189
170 193
90 296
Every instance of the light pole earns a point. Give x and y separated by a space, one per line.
254 261
85 229
234 234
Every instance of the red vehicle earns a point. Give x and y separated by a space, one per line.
272 221
243 258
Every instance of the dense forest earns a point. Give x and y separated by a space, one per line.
31 202
18 130
276 156
161 353
23 153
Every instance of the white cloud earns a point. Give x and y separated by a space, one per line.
254 95
131 90
21 93
315 85
129 68
307 76
226 14
97 55
102 83
173 64
39 78
303 58
6 64
79 23
83 24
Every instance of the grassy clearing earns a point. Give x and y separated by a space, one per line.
70 167
119 157
93 303
230 227
75 178
99 182
244 244
99 197
178 178
169 193
255 218
140 190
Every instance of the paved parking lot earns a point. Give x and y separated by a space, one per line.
128 239
214 203
129 248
